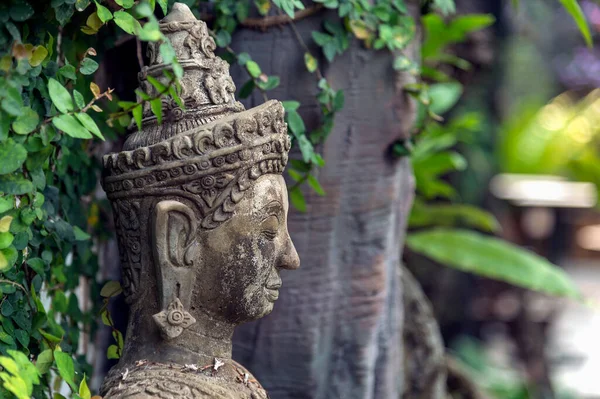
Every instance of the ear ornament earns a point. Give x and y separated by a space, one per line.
173 320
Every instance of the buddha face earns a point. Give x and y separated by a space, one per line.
238 276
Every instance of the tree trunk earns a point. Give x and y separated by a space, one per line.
337 327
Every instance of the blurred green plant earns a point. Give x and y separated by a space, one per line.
500 381
558 138
433 156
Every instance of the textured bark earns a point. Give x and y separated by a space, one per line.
424 361
336 329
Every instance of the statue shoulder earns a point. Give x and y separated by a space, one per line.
229 380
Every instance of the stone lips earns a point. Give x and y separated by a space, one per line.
211 165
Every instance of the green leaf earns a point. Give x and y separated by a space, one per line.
338 101
6 239
49 337
12 155
451 215
137 116
444 96
253 69
44 361
243 58
88 66
306 148
150 32
310 62
112 352
84 391
80 235
175 97
6 338
106 319
242 9
8 257
103 13
223 38
167 53
314 183
297 199
438 34
110 289
64 363
15 184
161 88
125 3
21 11
330 49
318 160
26 122
37 265
12 101
89 124
127 22
445 7
163 5
156 106
119 338
493 258
68 71
403 63
271 83
294 174
38 56
64 12
79 100
295 123
290 105
321 38
60 96
6 203
574 9
247 89
22 337
70 125
438 164
63 230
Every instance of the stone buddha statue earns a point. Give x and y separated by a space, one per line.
200 209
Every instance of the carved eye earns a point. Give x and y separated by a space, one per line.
269 234
269 227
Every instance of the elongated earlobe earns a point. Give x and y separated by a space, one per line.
174 246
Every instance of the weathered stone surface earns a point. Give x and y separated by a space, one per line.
200 209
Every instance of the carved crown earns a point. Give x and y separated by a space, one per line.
207 88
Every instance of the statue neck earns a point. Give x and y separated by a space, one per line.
208 337
199 344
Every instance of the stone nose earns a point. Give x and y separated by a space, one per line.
289 259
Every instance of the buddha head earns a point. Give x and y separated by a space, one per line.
199 201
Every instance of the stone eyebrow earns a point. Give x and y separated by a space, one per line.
273 208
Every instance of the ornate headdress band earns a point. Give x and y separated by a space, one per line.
212 165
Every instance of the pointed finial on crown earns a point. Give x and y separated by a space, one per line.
207 88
